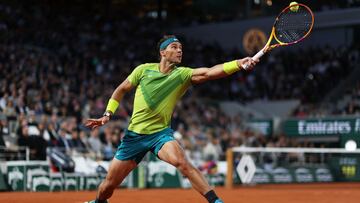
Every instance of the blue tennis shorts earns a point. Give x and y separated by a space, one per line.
134 146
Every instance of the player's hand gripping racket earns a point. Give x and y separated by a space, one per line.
291 26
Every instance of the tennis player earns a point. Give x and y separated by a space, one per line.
158 87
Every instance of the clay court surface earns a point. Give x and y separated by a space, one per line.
312 193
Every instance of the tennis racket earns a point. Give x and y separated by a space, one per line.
291 26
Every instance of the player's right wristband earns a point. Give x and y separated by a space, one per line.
112 105
231 67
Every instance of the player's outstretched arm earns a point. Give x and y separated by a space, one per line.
221 70
113 103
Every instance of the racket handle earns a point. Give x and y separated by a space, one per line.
256 57
259 55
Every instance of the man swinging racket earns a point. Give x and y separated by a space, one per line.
158 87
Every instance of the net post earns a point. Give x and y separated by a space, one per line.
230 168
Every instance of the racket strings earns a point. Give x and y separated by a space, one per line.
292 26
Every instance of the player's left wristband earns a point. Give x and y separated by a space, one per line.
231 67
112 106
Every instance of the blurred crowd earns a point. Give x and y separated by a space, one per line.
353 105
200 12
60 67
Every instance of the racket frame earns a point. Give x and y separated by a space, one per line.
269 47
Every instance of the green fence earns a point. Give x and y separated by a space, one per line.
35 176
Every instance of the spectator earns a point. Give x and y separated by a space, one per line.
36 144
64 142
95 143
76 143
212 151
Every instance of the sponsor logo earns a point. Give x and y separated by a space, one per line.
159 179
303 175
56 183
347 161
34 172
323 127
323 175
261 176
289 175
15 176
91 182
70 182
40 181
282 175
246 169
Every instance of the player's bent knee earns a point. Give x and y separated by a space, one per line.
179 163
184 166
109 184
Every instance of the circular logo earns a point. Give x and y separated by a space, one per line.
254 40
